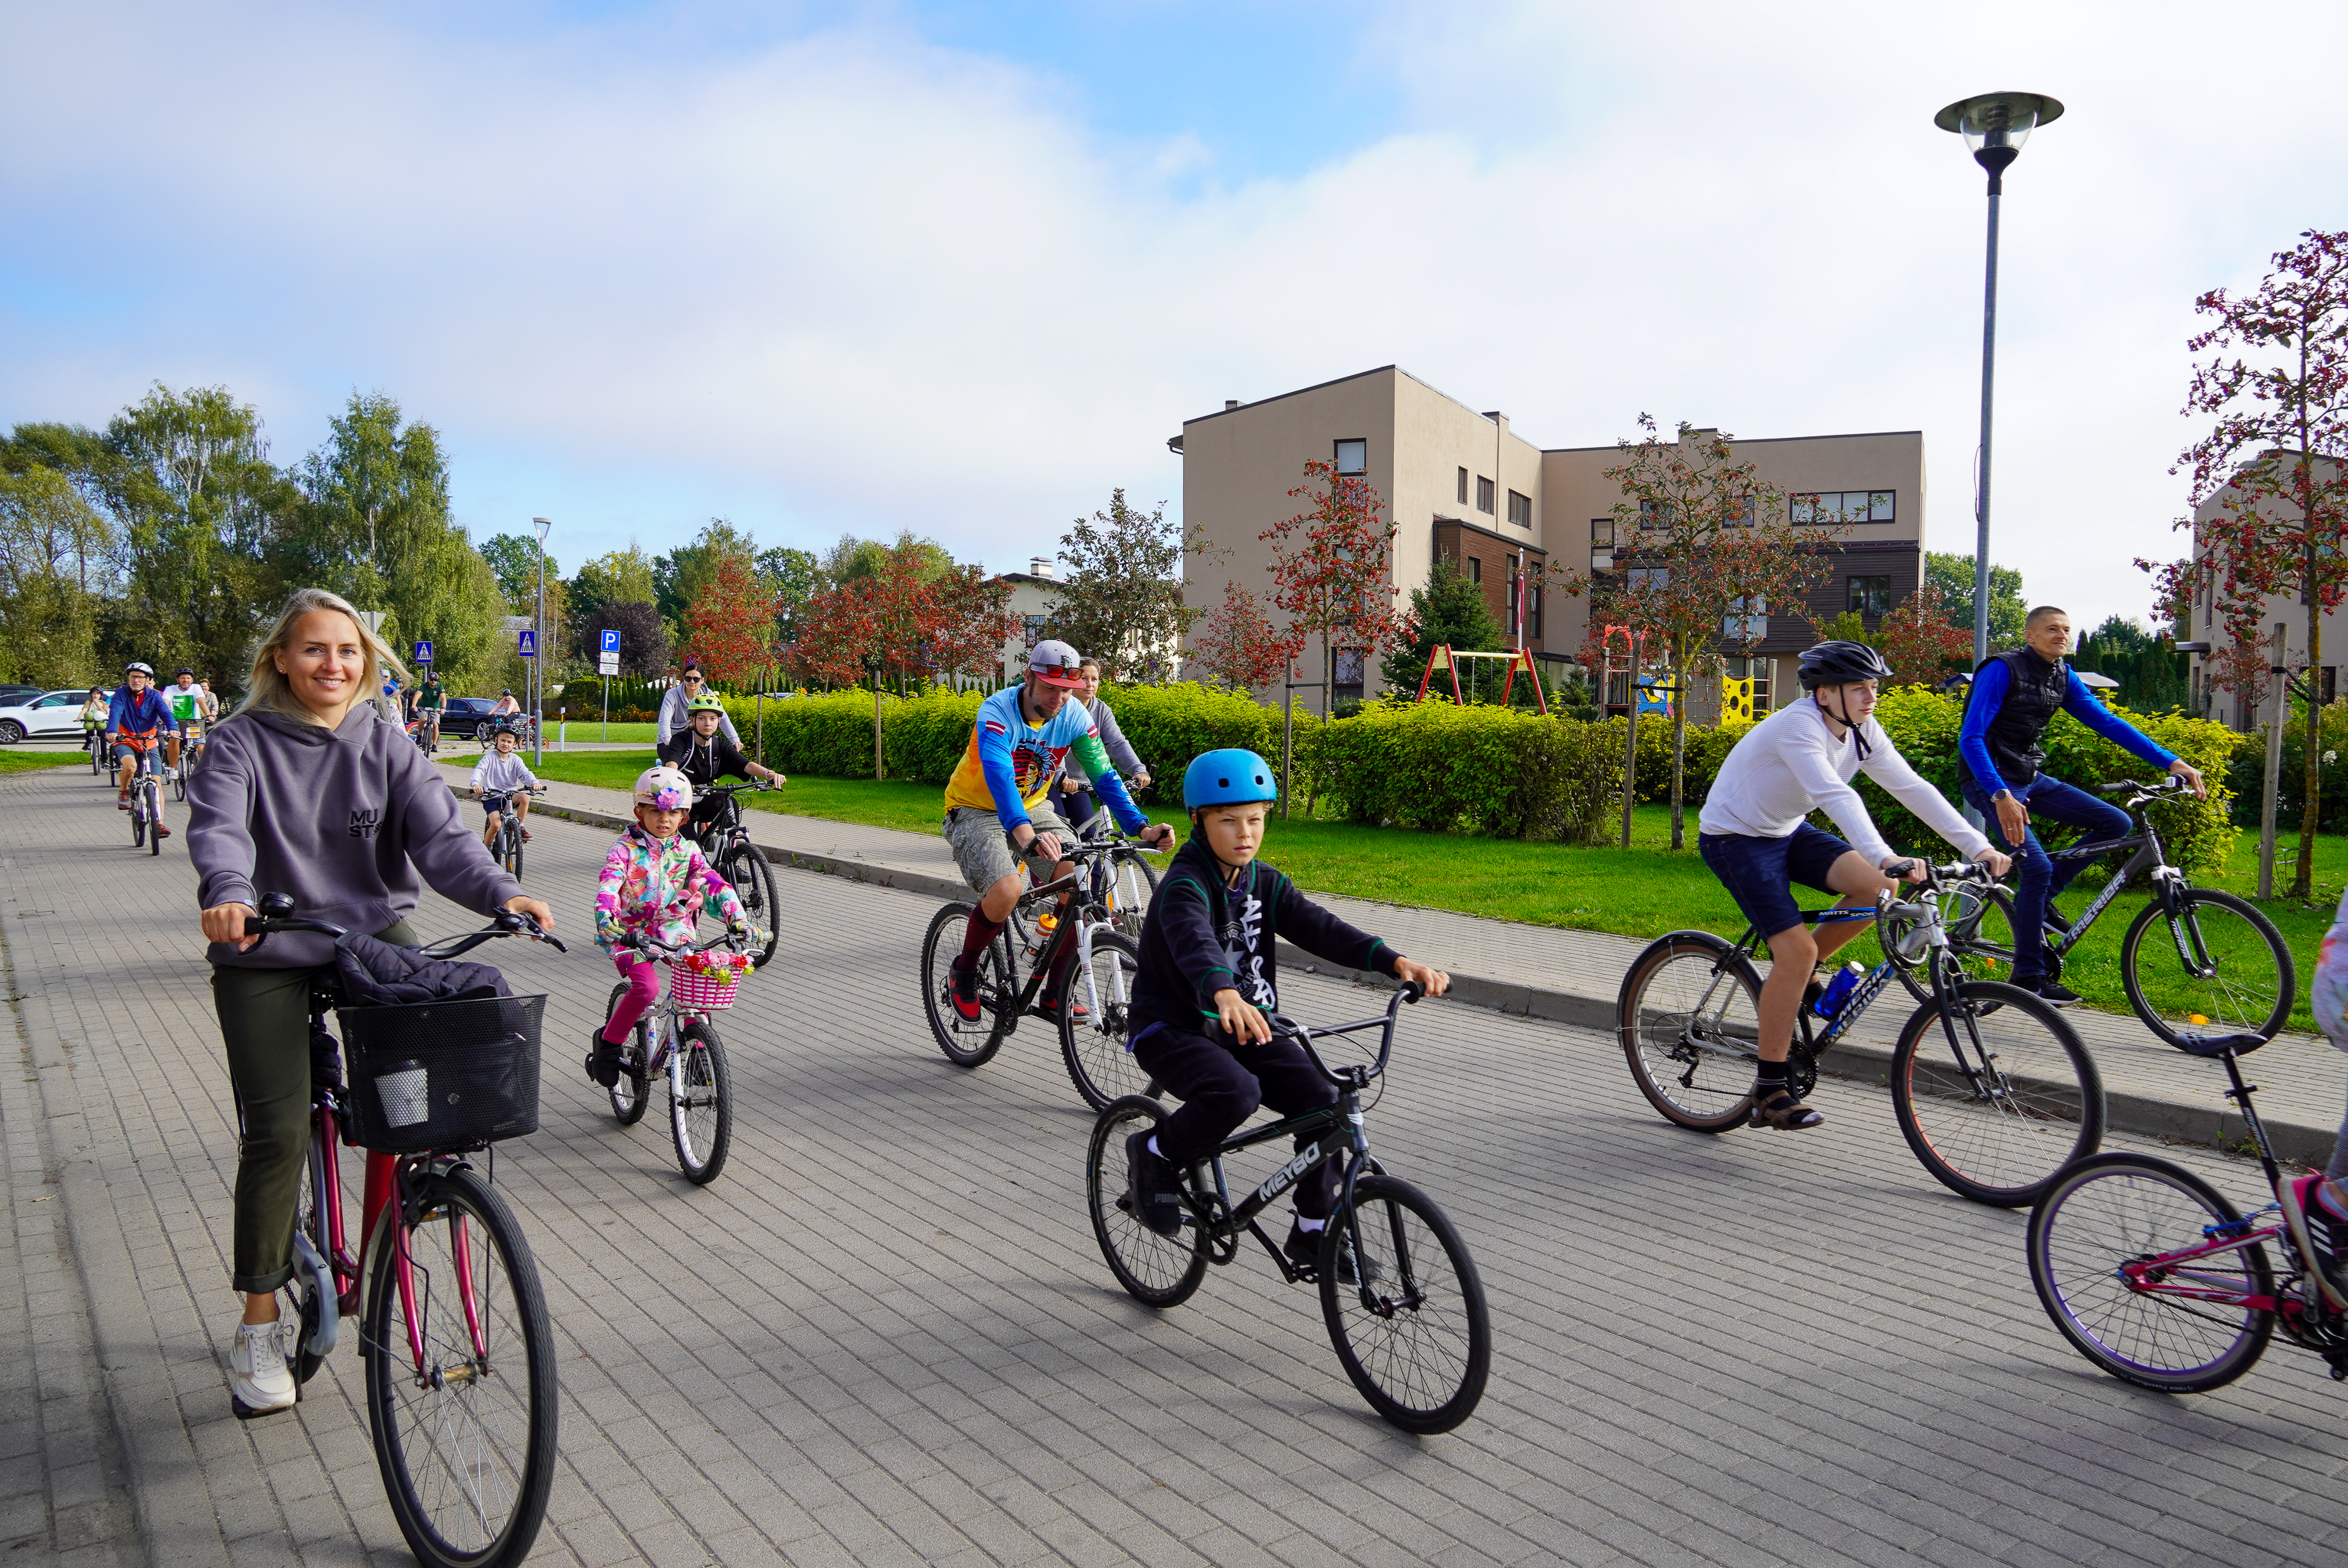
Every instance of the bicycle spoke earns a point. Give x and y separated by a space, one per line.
1994 1103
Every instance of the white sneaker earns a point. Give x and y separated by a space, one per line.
259 1381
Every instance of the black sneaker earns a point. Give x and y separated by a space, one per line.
602 1058
2054 993
1151 1187
2321 1238
1303 1250
2057 921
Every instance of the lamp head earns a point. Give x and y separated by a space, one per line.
1995 125
541 525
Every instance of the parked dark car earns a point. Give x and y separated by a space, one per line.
467 716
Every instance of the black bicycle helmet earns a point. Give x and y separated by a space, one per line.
1841 664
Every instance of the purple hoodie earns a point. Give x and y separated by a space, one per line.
343 820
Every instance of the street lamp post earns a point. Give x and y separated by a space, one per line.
538 665
1994 125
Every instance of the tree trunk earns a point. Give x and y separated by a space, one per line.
1679 753
2301 883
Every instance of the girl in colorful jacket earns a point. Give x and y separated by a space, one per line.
654 882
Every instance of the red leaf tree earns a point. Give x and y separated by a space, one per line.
905 619
1332 571
730 624
2275 464
1919 641
1238 645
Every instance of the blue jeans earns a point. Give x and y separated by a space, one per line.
2041 876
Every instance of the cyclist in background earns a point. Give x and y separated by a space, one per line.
676 705
2013 696
502 772
187 700
1075 800
1754 836
136 721
704 755
93 719
995 815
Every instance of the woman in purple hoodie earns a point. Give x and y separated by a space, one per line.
308 791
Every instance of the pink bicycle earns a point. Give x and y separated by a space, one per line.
453 1330
2154 1277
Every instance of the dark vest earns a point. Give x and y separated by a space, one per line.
2031 699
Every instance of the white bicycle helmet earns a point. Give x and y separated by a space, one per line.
664 789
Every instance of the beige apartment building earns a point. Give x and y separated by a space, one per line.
1465 485
2202 624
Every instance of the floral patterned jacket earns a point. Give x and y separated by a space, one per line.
657 887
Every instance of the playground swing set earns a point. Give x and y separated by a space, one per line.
1444 657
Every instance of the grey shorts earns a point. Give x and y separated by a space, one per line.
983 852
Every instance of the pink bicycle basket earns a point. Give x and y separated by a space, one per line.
703 989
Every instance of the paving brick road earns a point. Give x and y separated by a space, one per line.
885 1335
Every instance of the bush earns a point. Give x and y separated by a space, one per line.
1169 725
828 735
2248 775
1440 767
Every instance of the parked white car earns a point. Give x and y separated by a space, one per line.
55 715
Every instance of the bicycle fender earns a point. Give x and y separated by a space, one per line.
309 1265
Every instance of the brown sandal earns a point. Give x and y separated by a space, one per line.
1783 1112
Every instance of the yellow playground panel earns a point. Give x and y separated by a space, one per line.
1736 698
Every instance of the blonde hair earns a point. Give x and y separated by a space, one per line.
270 692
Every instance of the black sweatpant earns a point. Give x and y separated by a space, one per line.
1221 1085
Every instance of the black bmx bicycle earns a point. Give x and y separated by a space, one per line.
2223 968
1399 1294
1091 1007
725 844
1995 1092
506 848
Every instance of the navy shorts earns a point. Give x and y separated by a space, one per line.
1759 872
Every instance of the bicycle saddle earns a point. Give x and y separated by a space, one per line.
2217 1045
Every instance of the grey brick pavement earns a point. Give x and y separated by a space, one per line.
885 1335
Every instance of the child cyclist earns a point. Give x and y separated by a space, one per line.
1753 835
501 772
654 883
1206 975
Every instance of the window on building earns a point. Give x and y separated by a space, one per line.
1745 517
1870 594
1655 577
1532 613
1463 487
1521 509
1483 493
1836 508
1475 569
1346 674
2327 685
1747 619
1601 533
1353 456
1035 629
1655 515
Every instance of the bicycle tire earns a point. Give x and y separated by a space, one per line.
1158 1271
2143 1207
1129 906
179 785
1096 1055
701 1139
1399 1348
308 1220
154 795
966 1043
138 816
484 1504
2003 1145
632 1092
753 880
2228 1006
1677 971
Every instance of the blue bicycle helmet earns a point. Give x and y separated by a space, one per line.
1228 777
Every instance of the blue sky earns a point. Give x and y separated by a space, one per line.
961 267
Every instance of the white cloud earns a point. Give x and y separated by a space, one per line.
854 281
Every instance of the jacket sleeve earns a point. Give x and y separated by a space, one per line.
725 727
1120 750
437 840
114 711
994 766
220 835
1981 703
2089 708
1326 936
671 715
1886 767
1089 756
478 768
608 883
1188 919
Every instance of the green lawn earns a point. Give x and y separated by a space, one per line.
13 761
1640 892
593 729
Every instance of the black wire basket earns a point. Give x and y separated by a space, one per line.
442 1076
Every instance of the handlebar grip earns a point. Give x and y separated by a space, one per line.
1900 868
1412 991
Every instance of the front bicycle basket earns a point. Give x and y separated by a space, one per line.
712 981
442 1076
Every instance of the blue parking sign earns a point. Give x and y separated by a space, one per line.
611 639
424 653
528 643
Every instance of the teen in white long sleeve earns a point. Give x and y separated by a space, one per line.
1753 835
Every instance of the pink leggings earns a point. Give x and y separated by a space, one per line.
643 990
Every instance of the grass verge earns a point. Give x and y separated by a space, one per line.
15 762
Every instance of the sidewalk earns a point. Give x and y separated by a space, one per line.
1574 977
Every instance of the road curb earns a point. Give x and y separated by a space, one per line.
2210 1124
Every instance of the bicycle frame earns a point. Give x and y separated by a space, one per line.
1081 915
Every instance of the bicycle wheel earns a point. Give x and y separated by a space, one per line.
1413 1336
2115 1210
1690 1023
180 784
1980 924
2030 1103
1133 882
967 1042
1158 1271
1098 1062
460 1380
632 1093
752 881
307 1298
702 1119
137 818
152 794
2224 968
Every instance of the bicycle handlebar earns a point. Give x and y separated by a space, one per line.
1356 1077
654 948
276 914
2167 788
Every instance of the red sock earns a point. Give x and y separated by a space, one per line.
974 938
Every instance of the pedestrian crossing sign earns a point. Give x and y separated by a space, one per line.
528 643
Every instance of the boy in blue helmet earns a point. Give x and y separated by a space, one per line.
1206 975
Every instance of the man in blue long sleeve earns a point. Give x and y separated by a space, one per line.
2014 697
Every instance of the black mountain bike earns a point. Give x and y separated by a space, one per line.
2223 970
1090 1007
506 849
1995 1092
727 846
1398 1291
